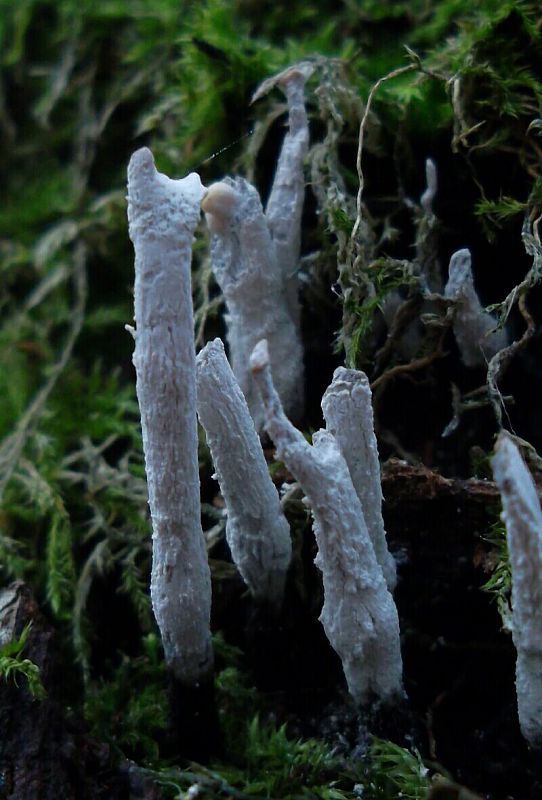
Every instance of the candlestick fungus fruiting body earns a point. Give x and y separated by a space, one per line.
523 519
255 254
257 531
359 615
348 411
162 215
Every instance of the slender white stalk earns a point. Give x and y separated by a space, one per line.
255 256
162 215
427 228
359 615
431 180
523 519
245 264
474 327
257 531
285 204
348 411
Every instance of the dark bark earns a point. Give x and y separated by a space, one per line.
44 754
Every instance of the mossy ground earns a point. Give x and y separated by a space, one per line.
84 84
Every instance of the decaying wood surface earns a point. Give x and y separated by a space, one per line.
44 753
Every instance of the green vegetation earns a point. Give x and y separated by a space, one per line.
396 772
13 666
499 583
278 767
84 84
129 711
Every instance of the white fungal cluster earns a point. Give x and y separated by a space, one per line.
474 327
255 259
254 256
522 516
359 615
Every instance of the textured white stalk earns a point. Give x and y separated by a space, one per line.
245 264
523 519
348 411
285 204
431 180
427 235
359 615
474 328
162 215
257 531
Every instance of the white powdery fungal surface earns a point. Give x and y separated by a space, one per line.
245 264
474 328
162 216
257 531
348 411
255 257
523 519
285 204
431 180
359 615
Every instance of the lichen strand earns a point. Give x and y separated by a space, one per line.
523 519
257 531
162 215
359 615
347 407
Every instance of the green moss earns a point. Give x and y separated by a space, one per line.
129 710
396 772
499 584
13 666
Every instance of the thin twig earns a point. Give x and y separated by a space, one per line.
393 74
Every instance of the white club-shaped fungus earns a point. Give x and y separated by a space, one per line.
162 215
348 411
359 615
254 256
245 265
285 203
523 519
257 531
474 327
